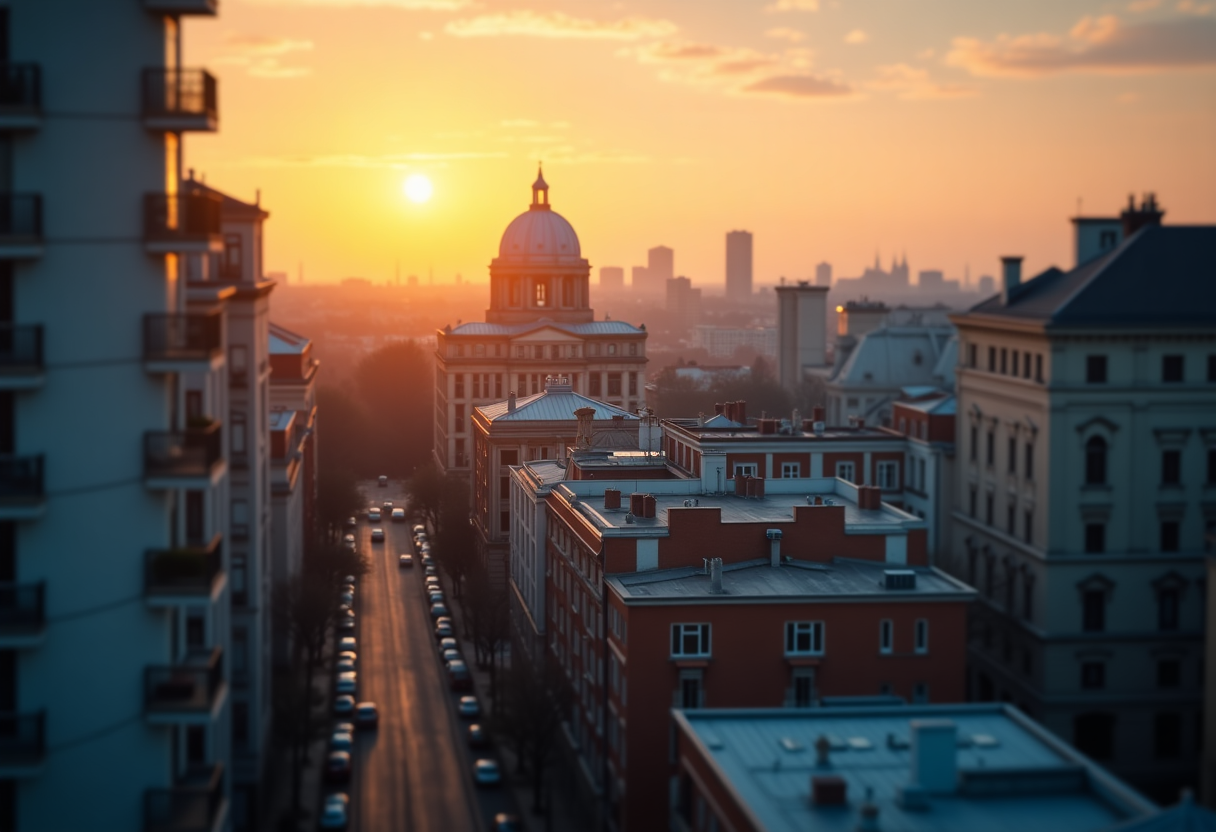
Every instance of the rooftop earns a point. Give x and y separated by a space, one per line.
795 581
556 404
719 428
1013 775
281 419
941 406
285 342
587 328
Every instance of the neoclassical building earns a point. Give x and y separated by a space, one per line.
540 323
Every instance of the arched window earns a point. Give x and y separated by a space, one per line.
541 293
1095 461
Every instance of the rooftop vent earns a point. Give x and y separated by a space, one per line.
715 576
829 790
899 579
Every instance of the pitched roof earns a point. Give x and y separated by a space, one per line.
553 405
589 328
285 342
1185 816
1160 276
232 207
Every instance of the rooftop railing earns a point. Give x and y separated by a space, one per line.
20 89
181 217
180 92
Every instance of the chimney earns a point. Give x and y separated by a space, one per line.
715 576
867 815
829 790
700 420
796 420
511 402
1149 213
719 408
612 498
1011 271
757 489
635 504
584 415
648 505
774 546
741 485
823 747
934 755
741 412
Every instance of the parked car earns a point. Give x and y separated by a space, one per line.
398 515
346 622
468 707
373 515
344 666
352 523
442 629
418 529
486 773
477 736
344 705
451 655
425 548
349 655
458 676
346 643
348 539
334 812
444 619
448 644
420 538
346 682
506 823
430 570
405 561
382 481
431 580
341 741
337 767
366 715
435 597
427 560
347 598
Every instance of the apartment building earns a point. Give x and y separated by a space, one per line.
1086 466
293 413
115 659
540 323
927 418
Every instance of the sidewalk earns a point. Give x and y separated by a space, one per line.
278 781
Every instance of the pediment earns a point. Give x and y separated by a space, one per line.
547 335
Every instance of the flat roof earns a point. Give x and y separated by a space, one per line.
766 758
280 419
796 581
718 428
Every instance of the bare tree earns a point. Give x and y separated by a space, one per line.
535 702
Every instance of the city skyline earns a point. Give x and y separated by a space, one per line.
670 126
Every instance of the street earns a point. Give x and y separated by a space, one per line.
414 771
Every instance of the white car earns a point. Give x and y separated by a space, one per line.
377 535
417 530
341 741
438 610
346 643
398 515
373 515
468 706
405 561
348 539
486 773
344 705
346 682
333 815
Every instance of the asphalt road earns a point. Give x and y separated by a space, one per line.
415 771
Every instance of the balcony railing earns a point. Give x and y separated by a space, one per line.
189 687
20 89
188 453
181 218
207 7
21 609
20 477
184 571
22 739
190 806
180 336
20 218
20 348
180 93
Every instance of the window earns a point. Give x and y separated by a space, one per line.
238 364
972 360
990 456
1094 735
971 502
458 421
920 693
458 392
804 687
633 349
1167 734
1093 611
1093 675
1095 461
888 476
886 636
540 293
1038 368
614 384
988 509
1026 365
239 449
791 470
1028 598
1013 368
975 443
633 382
1011 514
230 264
992 359
240 652
594 378
804 638
195 510
1095 369
612 349
1004 360
922 635
1028 466
240 725
1167 609
1013 455
1171 368
690 691
1169 536
745 469
1169 673
1171 467
1095 538
845 471
240 592
689 639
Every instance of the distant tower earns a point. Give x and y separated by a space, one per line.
739 265
802 335
612 278
660 268
823 274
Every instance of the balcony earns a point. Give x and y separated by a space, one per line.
191 458
192 692
22 744
20 96
186 575
180 342
21 492
20 226
182 223
22 615
195 804
21 356
207 7
180 99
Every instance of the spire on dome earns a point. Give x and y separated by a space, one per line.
540 191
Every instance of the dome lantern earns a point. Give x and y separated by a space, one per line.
540 192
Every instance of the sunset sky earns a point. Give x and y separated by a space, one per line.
955 131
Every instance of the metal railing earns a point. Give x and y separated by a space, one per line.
176 217
188 570
20 347
20 476
20 216
20 88
22 738
187 453
189 686
190 806
21 607
181 336
180 92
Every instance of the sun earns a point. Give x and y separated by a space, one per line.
417 187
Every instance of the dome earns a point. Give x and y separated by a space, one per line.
543 236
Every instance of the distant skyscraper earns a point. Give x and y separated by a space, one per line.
930 280
612 278
683 304
801 331
823 274
638 278
987 285
660 268
739 265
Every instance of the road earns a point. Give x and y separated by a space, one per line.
414 772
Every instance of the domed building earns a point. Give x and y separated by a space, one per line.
540 324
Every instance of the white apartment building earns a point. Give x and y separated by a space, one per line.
115 704
1086 471
723 342
530 485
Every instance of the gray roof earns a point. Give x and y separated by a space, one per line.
797 581
767 758
1185 816
901 356
285 342
588 328
1160 276
553 405
944 406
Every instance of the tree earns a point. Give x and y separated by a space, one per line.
395 387
348 442
426 491
338 497
534 706
454 541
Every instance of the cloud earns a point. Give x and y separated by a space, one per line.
1191 7
558 25
798 86
1099 45
793 6
856 36
356 160
261 54
701 62
407 5
785 33
913 83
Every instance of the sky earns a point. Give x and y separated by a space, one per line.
950 130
